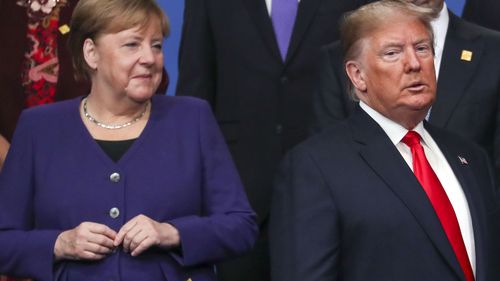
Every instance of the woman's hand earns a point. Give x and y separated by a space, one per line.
88 241
4 147
141 232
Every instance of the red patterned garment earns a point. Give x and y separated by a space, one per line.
41 66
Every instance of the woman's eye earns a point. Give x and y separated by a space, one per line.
131 44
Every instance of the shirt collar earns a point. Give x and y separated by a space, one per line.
394 131
440 27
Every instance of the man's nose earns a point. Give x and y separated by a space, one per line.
412 61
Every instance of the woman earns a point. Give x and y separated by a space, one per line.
120 184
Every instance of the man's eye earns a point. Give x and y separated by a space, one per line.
391 53
423 49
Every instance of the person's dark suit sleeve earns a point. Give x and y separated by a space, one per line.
197 69
496 145
331 101
304 230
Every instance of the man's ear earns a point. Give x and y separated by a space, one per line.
355 73
90 53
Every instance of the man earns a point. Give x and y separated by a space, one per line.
254 61
467 65
483 12
383 195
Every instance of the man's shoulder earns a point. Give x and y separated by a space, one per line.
335 139
333 49
453 141
474 31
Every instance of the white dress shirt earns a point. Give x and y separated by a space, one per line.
440 165
269 4
440 27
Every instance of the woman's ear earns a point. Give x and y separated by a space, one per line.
355 73
90 53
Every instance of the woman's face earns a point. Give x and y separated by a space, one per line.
128 63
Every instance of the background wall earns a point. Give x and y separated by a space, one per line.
175 10
455 5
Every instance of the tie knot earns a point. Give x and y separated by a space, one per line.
411 139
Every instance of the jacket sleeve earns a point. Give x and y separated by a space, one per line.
25 252
304 226
227 226
197 58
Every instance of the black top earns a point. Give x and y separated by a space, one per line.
115 149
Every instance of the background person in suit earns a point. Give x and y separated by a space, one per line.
259 87
467 63
354 203
483 12
121 184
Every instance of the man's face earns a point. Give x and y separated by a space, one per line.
434 4
395 70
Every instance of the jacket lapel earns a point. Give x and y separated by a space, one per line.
305 14
455 157
383 157
258 12
455 73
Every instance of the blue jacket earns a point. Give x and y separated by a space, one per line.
178 171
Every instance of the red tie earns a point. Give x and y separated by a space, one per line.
439 200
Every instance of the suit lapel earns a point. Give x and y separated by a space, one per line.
383 157
455 73
305 14
258 12
470 187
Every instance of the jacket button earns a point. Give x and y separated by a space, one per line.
114 212
114 177
284 79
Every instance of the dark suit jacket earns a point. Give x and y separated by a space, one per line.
178 171
468 92
483 12
346 207
229 56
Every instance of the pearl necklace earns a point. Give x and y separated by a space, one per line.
112 127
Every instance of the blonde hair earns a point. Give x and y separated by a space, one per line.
92 18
